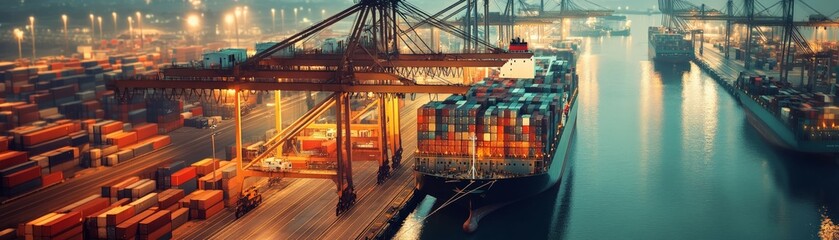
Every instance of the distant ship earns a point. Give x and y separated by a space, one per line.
669 46
804 122
506 140
615 25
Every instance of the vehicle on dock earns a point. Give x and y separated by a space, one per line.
250 199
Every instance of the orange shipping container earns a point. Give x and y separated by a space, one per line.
145 131
61 224
206 199
111 127
123 140
12 158
47 134
52 178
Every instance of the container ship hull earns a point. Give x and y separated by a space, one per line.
778 133
668 57
499 192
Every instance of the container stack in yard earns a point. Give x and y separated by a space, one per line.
132 208
60 115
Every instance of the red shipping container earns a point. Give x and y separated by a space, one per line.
111 127
120 215
145 131
123 140
52 178
22 176
46 134
183 175
209 212
128 229
197 111
61 224
154 222
73 233
93 206
206 199
161 141
12 158
157 234
4 144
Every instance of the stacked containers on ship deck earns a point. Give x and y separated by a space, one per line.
510 119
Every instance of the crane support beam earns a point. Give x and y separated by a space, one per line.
288 86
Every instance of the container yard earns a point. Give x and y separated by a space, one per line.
407 119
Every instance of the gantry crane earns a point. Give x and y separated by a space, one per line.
678 12
378 57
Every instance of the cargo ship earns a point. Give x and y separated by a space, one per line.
669 46
505 140
799 121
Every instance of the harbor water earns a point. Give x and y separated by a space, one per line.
659 153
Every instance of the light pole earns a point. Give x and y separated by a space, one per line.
273 20
115 23
282 18
66 41
213 142
101 36
32 23
245 19
92 29
295 18
131 30
322 14
193 22
140 25
236 25
229 19
19 36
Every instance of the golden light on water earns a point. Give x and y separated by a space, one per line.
828 230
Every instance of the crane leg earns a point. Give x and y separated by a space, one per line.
384 164
346 191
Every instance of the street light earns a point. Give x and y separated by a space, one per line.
66 44
192 21
101 36
323 14
237 13
213 140
115 22
295 18
92 29
131 30
273 20
140 25
282 18
19 36
32 23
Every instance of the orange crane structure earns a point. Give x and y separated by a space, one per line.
379 59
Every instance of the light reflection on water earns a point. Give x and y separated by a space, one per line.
662 153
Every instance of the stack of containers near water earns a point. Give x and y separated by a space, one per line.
206 204
18 80
167 114
164 174
185 179
509 119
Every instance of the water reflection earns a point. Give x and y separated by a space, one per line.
661 152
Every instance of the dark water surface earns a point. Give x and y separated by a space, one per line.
659 154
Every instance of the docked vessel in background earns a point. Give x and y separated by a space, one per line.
669 46
804 122
616 25
506 140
